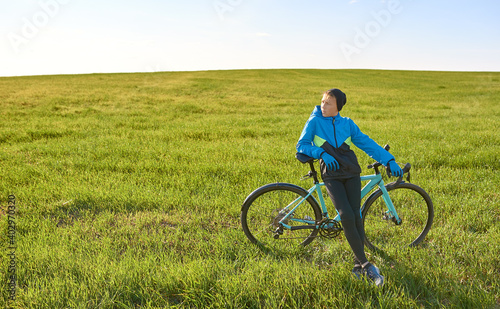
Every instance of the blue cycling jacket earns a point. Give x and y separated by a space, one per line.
335 136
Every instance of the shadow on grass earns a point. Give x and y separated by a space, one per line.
69 212
427 288
417 285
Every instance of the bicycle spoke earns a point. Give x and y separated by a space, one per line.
265 213
413 207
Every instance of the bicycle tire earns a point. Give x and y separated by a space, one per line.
414 207
260 214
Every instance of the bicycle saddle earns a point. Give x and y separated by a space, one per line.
303 158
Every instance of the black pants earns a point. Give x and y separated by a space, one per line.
346 196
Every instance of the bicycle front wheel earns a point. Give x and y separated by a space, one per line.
264 208
413 206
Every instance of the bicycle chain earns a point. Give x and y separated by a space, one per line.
329 228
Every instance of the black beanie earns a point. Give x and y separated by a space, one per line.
339 96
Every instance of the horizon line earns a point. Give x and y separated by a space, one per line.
253 69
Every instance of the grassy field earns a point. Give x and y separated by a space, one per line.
128 188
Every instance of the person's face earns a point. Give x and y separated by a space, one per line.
329 106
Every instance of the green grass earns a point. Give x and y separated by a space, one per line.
129 188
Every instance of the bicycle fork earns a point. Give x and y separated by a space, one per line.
391 213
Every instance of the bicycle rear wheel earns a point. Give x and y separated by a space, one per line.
414 208
266 206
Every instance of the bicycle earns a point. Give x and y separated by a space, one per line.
398 214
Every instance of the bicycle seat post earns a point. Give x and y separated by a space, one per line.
314 174
307 159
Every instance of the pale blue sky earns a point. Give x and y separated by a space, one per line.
91 36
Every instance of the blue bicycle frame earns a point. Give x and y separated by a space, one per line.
373 181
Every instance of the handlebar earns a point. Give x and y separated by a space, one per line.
376 165
306 159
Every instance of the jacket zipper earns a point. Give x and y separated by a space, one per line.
334 133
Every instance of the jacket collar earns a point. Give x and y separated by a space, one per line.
317 113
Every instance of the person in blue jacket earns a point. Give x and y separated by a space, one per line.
328 136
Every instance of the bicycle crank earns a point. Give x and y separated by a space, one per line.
329 228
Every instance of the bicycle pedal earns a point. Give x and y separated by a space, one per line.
278 232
